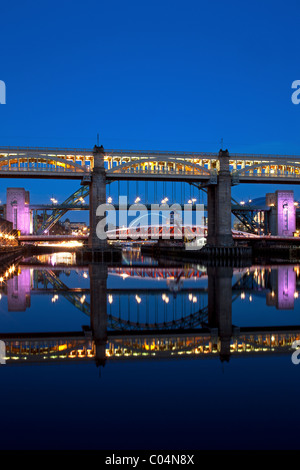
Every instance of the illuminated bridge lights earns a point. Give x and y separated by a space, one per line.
127 164
9 272
200 345
262 342
159 273
49 350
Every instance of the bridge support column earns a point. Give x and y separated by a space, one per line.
220 306
212 215
219 206
97 197
98 293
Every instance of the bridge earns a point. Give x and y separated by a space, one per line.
246 214
214 172
134 164
197 324
30 348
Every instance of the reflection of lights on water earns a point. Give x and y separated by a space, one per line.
194 299
68 244
190 297
54 298
138 299
250 298
82 299
165 298
296 295
242 295
11 270
6 236
85 275
110 299
62 258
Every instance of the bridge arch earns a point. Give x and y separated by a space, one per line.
39 163
160 165
282 167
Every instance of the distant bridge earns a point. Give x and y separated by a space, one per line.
132 234
51 238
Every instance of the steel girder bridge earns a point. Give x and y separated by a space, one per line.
197 168
246 214
47 348
138 164
130 342
186 319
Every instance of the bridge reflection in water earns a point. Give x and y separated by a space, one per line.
202 328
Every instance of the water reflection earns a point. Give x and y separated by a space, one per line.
144 309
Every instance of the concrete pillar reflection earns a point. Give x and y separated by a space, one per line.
220 306
98 297
219 205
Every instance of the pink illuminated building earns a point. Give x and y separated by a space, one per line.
283 284
17 209
18 292
282 216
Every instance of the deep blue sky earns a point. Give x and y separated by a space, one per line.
149 75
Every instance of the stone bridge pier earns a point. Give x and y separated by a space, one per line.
98 299
219 206
97 197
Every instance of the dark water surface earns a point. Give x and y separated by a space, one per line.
170 357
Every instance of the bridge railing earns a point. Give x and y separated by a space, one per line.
159 171
58 169
263 173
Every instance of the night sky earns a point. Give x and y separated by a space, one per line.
161 75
